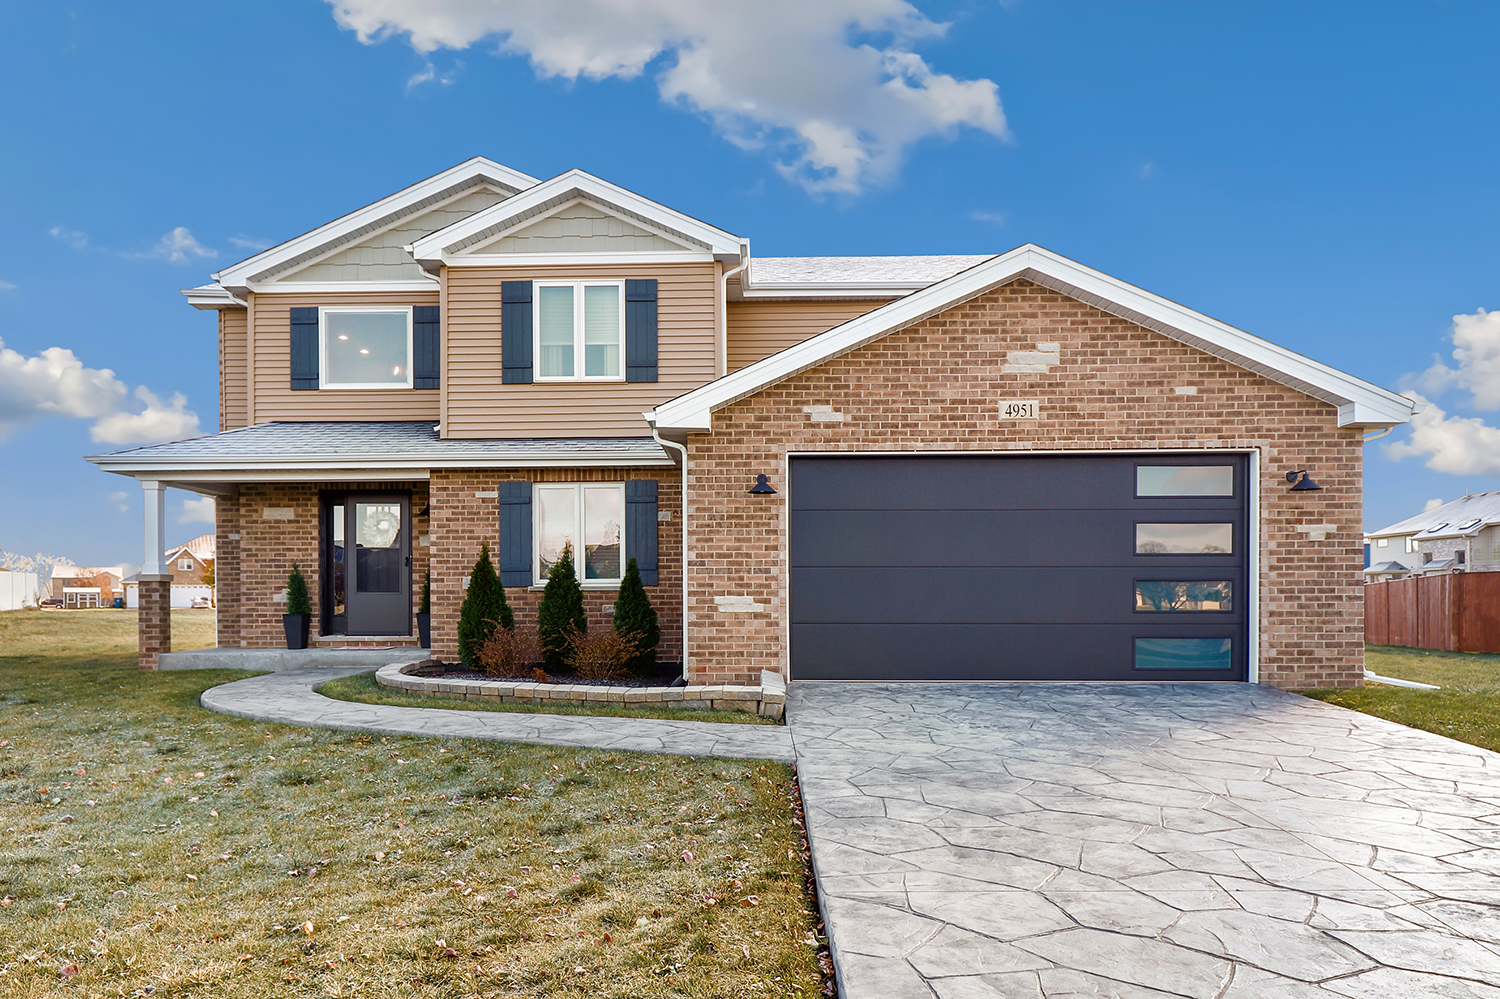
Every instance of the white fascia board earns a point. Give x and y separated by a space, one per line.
430 249
211 296
325 287
805 292
366 466
1360 403
236 275
575 259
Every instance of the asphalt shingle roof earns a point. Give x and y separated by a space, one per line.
1483 508
857 270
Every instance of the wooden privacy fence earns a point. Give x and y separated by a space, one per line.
1457 612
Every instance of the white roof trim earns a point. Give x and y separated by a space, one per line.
577 259
1360 404
429 284
211 296
234 469
471 172
550 195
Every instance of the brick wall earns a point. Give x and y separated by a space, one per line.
935 385
154 621
461 521
259 562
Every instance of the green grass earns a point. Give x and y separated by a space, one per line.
363 688
66 637
1467 708
150 847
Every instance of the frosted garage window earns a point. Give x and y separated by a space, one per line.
1184 595
366 348
1184 480
1184 653
1184 539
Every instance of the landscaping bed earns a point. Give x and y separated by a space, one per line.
148 847
1466 708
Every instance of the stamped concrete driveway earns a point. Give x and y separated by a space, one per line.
1140 841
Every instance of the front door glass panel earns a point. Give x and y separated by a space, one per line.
378 547
340 570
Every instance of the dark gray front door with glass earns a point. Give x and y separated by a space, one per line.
367 564
1019 568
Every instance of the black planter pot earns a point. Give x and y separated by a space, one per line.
424 630
296 626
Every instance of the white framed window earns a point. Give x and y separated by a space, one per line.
588 515
578 331
185 564
1382 542
364 347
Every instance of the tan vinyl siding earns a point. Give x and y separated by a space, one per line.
580 228
273 395
760 329
234 388
479 405
381 257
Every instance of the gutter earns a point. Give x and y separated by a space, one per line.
722 334
681 449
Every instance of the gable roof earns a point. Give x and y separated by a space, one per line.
1360 404
201 548
351 227
438 248
1466 515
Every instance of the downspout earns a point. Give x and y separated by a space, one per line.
722 334
681 449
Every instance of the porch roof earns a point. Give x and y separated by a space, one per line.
348 449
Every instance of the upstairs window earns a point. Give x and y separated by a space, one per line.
365 347
185 564
579 329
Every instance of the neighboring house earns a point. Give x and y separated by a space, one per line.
1463 535
80 586
1000 467
188 563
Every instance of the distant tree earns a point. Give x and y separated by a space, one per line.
560 615
484 608
636 618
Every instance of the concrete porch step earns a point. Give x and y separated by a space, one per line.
364 642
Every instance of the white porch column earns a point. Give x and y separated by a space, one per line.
156 529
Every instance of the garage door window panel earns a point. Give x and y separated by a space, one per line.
1184 653
1191 596
1184 539
1184 480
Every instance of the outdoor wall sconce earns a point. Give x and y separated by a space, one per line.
1303 481
764 488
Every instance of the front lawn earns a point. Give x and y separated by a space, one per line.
363 689
63 637
148 847
1467 708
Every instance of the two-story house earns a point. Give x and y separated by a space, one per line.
908 468
1462 535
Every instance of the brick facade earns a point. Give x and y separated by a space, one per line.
936 385
154 623
461 521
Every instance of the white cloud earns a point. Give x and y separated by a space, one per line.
1460 445
157 422
55 383
77 240
430 74
120 501
994 218
1476 348
1432 504
246 243
178 246
7 286
833 86
199 510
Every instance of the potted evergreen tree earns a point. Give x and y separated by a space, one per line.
560 615
634 616
424 612
298 617
484 609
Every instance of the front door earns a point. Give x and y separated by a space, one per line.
367 561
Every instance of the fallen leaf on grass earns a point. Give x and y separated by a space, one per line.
192 877
307 927
69 970
687 856
245 957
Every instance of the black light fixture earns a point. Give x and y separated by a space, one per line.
762 487
1303 481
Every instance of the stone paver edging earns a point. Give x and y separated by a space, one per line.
289 697
767 700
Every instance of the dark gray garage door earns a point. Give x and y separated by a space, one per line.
1019 568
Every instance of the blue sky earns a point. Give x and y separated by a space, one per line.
1320 175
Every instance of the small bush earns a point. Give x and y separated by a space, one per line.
605 656
425 607
634 615
509 652
297 600
484 608
561 611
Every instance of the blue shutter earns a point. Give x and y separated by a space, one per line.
304 348
426 347
515 332
515 534
640 331
640 527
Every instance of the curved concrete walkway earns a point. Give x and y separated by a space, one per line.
288 697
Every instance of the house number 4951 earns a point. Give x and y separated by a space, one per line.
1019 409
